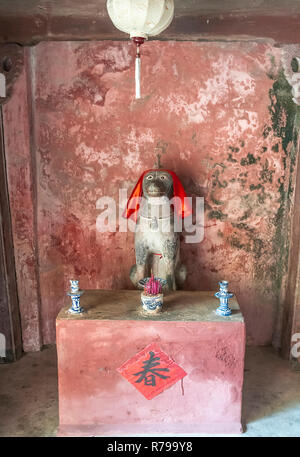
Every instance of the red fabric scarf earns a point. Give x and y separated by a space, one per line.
182 210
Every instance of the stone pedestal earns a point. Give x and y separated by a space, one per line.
95 400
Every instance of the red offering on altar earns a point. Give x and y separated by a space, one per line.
151 371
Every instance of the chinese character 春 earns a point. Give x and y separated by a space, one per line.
149 372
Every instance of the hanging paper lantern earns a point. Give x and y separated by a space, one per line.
140 19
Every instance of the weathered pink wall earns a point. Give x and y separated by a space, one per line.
205 109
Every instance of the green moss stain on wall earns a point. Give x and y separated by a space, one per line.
249 160
285 116
269 251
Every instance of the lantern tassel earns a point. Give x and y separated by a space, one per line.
138 41
137 76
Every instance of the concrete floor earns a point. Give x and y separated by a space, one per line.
29 404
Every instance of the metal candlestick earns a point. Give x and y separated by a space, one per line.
223 295
75 295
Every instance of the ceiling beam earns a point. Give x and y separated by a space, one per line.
32 21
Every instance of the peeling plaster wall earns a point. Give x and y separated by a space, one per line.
218 114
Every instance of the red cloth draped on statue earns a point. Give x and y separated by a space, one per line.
182 207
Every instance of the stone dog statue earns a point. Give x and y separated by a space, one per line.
157 243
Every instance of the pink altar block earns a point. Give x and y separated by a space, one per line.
196 357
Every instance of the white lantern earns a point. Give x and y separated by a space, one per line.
140 19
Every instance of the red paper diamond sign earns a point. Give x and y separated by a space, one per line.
151 371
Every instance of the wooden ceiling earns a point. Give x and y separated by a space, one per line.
30 21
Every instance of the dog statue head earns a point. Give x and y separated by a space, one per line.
157 183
